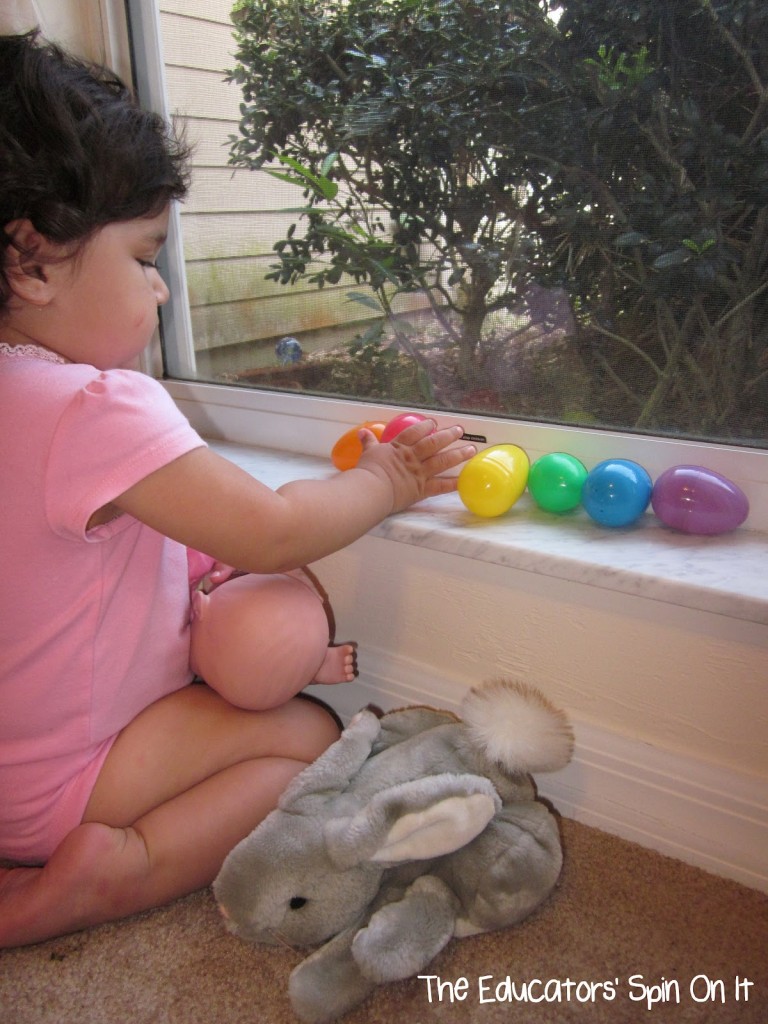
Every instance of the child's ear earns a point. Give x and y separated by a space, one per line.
26 259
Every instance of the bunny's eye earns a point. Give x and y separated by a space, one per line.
297 902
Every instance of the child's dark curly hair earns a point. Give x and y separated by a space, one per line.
76 150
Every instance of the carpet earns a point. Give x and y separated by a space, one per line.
628 936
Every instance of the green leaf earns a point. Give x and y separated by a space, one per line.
328 189
322 185
630 238
328 163
365 300
670 259
290 178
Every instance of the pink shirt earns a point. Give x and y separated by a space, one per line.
93 624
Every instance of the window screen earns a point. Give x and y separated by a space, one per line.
493 207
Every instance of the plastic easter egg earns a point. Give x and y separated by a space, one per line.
616 492
698 500
405 419
555 482
348 449
492 481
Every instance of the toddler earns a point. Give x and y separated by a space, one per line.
123 784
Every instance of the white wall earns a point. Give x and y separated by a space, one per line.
94 29
690 682
669 704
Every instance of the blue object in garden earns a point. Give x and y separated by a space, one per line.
288 350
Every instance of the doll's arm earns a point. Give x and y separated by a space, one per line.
205 573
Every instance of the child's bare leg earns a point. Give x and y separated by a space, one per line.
167 808
100 873
40 903
259 640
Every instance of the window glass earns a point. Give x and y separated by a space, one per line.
492 207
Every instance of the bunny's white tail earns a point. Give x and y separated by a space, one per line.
517 726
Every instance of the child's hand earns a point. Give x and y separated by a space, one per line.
207 503
413 460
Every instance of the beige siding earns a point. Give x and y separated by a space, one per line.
229 190
226 235
200 93
232 217
192 42
253 319
216 11
211 141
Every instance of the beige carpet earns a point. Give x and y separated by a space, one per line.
621 914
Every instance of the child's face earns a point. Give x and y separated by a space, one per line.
107 299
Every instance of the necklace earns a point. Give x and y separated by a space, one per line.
31 352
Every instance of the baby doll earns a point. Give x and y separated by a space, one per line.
232 633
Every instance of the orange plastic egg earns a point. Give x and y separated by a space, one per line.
348 449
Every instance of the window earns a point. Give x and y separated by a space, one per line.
555 316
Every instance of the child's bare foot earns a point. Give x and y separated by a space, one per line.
94 876
339 664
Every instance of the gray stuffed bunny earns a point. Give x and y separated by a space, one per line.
411 829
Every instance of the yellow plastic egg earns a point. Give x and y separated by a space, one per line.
492 481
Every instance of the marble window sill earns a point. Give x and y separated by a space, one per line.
725 575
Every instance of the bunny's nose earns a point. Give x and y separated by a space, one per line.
229 922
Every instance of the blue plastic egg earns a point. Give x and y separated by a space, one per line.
698 500
616 492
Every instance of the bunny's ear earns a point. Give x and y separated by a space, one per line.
414 821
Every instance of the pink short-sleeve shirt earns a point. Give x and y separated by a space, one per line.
93 623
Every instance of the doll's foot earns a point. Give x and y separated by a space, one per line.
339 664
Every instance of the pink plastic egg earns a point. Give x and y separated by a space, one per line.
405 419
698 500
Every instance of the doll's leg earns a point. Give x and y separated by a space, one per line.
259 640
339 664
184 782
340 660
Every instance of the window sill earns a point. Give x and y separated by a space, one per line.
724 575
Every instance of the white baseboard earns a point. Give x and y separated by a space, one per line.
705 814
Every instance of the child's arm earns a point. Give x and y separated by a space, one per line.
208 503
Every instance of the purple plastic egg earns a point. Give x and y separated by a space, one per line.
698 500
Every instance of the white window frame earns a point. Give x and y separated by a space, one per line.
311 424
